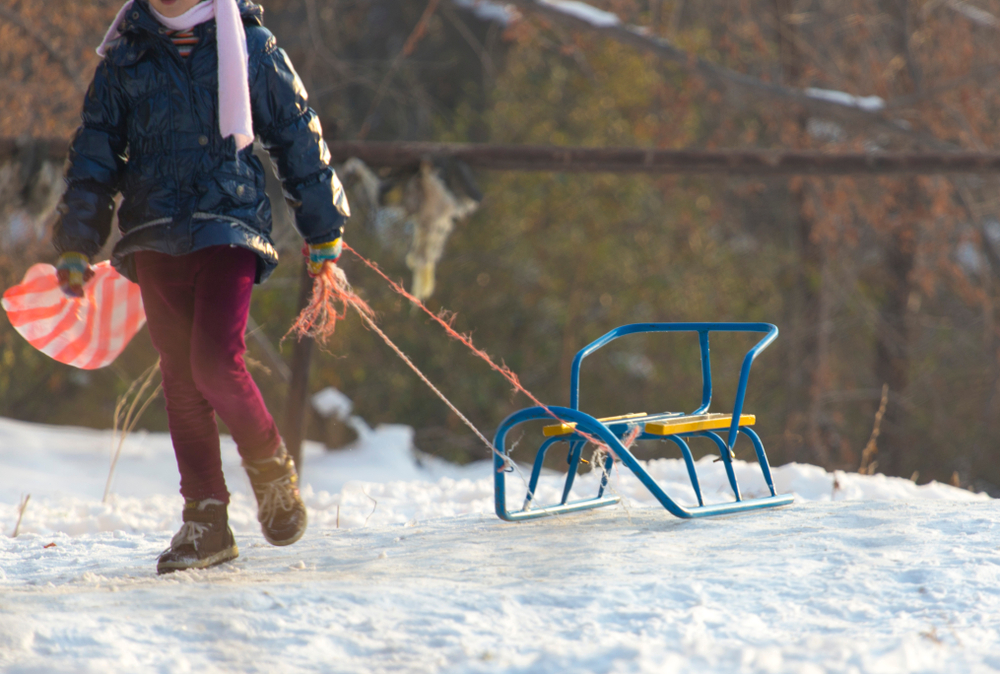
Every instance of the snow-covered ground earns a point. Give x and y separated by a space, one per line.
406 569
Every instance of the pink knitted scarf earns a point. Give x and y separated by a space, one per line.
234 88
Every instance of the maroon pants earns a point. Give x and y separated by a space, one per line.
196 308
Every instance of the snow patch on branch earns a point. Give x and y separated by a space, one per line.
868 103
584 12
489 11
977 16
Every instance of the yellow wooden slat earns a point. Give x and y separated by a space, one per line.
566 429
700 422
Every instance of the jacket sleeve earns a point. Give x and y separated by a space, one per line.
291 133
97 158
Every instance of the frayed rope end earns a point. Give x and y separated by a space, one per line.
331 295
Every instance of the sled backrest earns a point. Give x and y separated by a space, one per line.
703 329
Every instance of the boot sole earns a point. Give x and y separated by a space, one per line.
214 560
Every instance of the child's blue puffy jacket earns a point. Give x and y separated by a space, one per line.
151 132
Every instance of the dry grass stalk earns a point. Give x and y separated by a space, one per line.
373 507
132 416
20 514
871 449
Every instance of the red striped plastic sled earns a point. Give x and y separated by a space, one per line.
89 332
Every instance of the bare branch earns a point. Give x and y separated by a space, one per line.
675 17
836 105
318 44
484 58
408 47
912 67
982 76
715 75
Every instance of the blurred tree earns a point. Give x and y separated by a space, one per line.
872 281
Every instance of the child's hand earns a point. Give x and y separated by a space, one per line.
319 253
73 270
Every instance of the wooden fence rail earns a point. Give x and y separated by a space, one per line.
637 160
623 160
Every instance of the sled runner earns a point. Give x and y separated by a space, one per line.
577 428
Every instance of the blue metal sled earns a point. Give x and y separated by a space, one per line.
673 426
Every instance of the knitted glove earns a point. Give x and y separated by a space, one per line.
320 253
73 270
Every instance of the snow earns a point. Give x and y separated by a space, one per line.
869 103
330 402
489 11
583 11
975 14
405 568
826 131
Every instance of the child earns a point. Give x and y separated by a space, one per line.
184 87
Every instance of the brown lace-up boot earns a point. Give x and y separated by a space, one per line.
280 510
204 539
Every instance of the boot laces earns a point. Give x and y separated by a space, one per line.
274 496
190 532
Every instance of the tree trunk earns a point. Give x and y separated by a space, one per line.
892 356
805 441
892 330
820 431
806 380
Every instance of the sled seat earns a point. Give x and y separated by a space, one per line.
577 428
697 422
675 425
555 430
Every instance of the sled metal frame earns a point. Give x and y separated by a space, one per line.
665 426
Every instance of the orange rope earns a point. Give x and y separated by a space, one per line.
504 371
332 294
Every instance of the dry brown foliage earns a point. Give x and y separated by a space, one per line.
47 59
